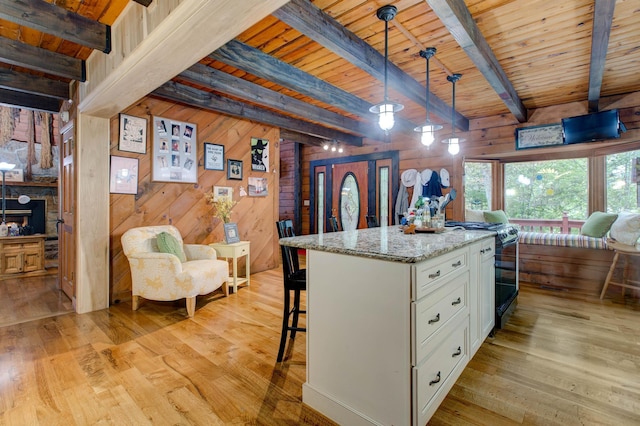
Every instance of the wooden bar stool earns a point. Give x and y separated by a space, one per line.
631 254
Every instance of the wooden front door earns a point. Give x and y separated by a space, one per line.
350 194
66 220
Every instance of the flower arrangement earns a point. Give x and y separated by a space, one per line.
222 206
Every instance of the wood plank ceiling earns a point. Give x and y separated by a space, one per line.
314 68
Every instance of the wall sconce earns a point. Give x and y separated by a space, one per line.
453 141
386 109
428 129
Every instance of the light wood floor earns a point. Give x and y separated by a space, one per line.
561 360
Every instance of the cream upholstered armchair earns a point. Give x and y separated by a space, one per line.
162 276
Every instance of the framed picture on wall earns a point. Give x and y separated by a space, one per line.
234 169
123 175
213 156
259 155
174 154
133 134
539 136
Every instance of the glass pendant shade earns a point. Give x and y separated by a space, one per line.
453 141
428 129
386 110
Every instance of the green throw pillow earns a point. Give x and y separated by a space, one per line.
496 216
167 243
598 224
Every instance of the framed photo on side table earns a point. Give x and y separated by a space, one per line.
231 234
133 134
234 169
213 156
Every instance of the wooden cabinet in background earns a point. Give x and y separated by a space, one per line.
22 255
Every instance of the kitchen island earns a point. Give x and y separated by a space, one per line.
392 320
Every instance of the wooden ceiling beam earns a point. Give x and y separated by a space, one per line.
57 21
602 20
24 55
260 64
32 84
317 25
189 95
288 135
458 20
25 100
222 82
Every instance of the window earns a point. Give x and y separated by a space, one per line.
622 181
546 189
383 179
320 211
478 185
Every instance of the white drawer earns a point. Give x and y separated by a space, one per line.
434 271
487 249
435 311
435 376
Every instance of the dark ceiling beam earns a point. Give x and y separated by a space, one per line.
288 135
32 84
24 55
189 95
458 20
317 25
59 22
222 82
602 19
258 63
24 100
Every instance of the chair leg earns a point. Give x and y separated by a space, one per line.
225 288
609 275
285 324
135 303
296 312
191 306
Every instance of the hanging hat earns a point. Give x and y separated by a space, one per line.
259 145
425 175
408 177
444 178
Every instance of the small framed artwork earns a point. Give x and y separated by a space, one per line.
258 187
231 234
539 136
259 155
123 177
234 169
213 156
133 134
174 153
221 193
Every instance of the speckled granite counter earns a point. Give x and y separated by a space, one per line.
387 243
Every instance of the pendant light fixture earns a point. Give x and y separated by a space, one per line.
386 109
453 141
428 129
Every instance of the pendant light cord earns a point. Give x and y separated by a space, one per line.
386 57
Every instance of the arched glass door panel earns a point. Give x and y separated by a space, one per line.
349 202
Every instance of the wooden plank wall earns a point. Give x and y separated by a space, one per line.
288 168
184 205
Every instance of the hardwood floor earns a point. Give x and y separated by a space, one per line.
562 359
31 298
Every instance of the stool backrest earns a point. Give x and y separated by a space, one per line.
372 222
333 221
290 261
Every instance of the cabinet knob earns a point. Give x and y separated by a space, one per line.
436 275
456 302
458 263
436 319
457 353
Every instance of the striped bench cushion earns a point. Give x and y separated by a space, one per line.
562 240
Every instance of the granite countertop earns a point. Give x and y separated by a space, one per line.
387 243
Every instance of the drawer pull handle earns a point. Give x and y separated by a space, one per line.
457 353
458 263
436 275
487 250
456 302
436 319
437 380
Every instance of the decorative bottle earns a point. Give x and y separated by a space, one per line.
4 230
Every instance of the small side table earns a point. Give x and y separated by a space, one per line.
234 251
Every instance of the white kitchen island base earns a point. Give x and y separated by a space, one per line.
388 334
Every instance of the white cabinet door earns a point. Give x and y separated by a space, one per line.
488 289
